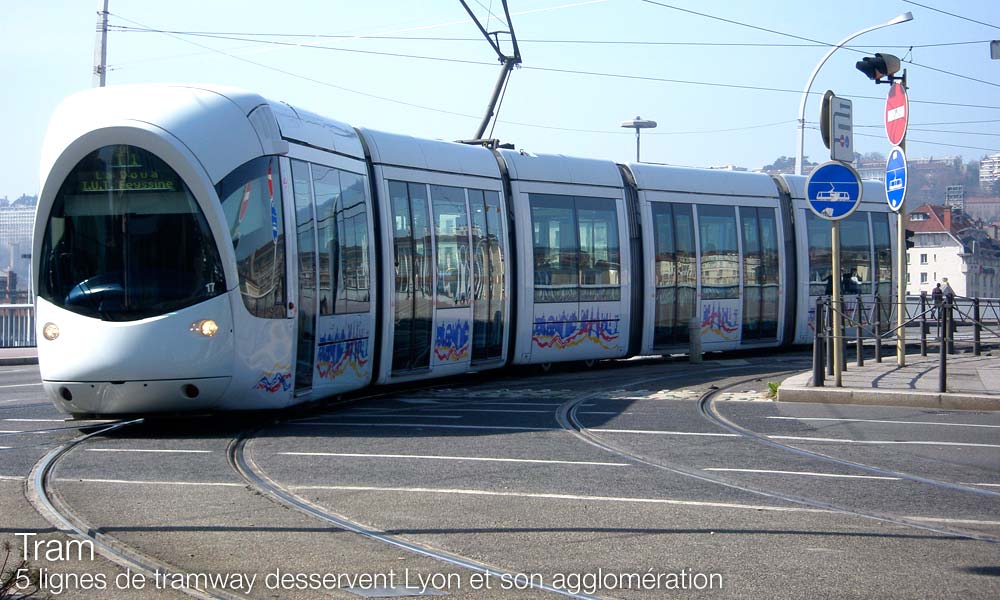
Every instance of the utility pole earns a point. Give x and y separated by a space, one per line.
101 45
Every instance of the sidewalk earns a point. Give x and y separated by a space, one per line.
18 356
973 383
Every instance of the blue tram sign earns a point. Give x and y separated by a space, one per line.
895 178
833 190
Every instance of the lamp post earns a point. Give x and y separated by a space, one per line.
637 124
903 18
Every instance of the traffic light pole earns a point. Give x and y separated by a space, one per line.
901 266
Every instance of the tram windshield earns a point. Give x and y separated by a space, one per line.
125 240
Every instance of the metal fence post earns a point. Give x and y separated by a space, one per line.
828 333
943 360
923 323
977 328
878 329
859 314
949 333
818 358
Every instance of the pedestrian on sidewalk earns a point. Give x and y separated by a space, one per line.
947 291
937 294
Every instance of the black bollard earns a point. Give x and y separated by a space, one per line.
818 358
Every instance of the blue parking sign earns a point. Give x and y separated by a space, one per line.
833 190
895 178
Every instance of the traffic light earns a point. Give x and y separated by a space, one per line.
909 238
878 66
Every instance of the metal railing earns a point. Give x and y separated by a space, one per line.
17 325
945 322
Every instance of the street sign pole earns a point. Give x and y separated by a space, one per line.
901 263
836 303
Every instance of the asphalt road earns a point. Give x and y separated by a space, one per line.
648 498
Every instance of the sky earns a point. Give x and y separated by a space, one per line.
722 79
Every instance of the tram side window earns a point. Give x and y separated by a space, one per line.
820 255
326 191
577 254
251 201
600 256
720 257
342 231
354 282
856 254
883 254
553 222
451 229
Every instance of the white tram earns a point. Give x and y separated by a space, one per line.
205 249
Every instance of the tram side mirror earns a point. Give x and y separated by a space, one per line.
878 66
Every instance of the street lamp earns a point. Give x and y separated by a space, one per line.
903 18
637 124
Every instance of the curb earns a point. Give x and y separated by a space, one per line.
796 389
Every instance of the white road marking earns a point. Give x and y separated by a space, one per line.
427 425
37 420
518 411
876 442
12 431
883 421
460 458
13 385
983 484
384 416
655 432
468 492
801 438
5 447
11 478
148 450
955 521
130 481
810 473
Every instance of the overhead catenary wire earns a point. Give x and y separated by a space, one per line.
260 34
957 16
548 69
180 37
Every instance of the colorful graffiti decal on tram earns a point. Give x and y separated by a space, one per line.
277 380
723 321
344 350
451 341
566 331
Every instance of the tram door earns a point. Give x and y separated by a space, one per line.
760 273
412 259
676 273
305 234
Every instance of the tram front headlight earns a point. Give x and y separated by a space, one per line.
50 331
205 327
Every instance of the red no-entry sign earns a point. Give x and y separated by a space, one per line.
897 113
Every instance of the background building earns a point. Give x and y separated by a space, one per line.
989 174
16 221
947 244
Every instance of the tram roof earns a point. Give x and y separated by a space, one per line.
558 168
430 155
702 181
